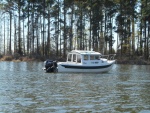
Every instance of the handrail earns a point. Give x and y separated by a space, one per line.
109 57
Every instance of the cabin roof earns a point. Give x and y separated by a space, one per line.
85 52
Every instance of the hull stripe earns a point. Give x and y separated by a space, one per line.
86 67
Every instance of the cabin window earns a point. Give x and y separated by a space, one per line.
85 57
78 58
74 57
69 57
92 57
97 57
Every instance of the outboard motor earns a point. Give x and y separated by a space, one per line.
50 66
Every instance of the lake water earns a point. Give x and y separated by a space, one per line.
26 88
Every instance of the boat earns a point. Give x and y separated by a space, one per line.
82 61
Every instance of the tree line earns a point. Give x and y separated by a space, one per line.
54 27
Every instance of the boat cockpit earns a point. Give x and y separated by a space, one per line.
82 58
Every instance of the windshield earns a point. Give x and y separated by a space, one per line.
94 57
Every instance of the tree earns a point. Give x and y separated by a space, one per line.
146 23
8 8
126 26
55 26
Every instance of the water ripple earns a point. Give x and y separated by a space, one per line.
24 87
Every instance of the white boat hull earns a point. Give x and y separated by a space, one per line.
65 67
83 62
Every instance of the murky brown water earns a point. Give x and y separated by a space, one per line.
25 88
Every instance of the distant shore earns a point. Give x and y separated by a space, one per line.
28 58
133 62
20 58
41 59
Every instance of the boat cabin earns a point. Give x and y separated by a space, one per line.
83 57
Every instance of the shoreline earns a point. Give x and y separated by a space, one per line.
20 59
133 62
41 59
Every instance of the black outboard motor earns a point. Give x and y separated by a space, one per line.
50 66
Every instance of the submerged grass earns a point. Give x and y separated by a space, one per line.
22 58
7 58
18 58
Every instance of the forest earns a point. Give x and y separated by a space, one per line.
51 28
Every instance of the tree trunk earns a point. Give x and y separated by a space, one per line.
64 49
133 37
28 35
33 26
4 35
10 33
71 30
19 29
43 43
90 25
23 37
48 37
